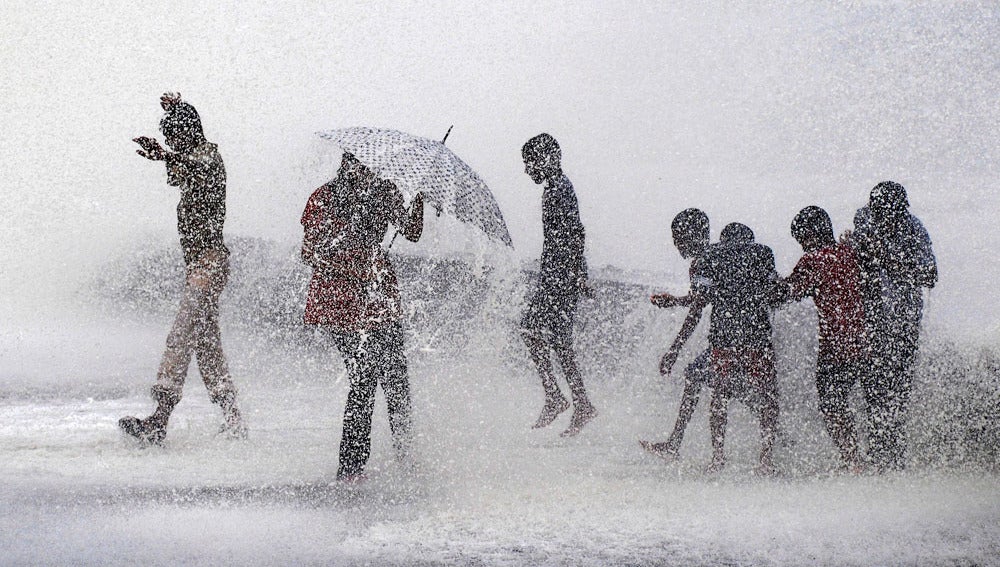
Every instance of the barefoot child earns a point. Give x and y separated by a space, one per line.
690 231
738 278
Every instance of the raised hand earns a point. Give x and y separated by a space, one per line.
151 149
169 100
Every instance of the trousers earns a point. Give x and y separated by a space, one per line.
373 357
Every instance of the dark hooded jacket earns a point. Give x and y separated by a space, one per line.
897 261
198 171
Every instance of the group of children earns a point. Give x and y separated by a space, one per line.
867 292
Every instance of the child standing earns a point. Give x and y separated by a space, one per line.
738 278
828 272
690 231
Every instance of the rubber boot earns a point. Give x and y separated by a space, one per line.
153 429
233 426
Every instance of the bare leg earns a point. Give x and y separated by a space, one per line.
765 381
689 402
833 384
583 410
555 402
670 448
718 416
768 432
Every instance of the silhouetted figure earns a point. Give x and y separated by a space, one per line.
690 231
354 297
738 278
897 262
828 272
195 166
548 322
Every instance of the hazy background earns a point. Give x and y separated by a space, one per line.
750 112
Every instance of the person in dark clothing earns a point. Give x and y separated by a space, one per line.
195 166
738 278
548 321
829 273
354 298
690 231
897 262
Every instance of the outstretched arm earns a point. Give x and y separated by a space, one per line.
687 329
802 282
665 300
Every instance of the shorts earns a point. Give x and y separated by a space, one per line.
746 374
699 372
551 314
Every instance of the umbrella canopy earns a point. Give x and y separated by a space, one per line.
417 164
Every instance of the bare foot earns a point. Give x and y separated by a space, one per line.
581 416
553 407
717 464
663 450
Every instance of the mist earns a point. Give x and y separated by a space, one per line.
750 112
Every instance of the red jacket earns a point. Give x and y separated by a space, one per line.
832 278
353 287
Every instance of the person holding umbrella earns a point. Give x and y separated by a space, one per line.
548 321
353 297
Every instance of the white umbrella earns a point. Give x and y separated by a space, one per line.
419 164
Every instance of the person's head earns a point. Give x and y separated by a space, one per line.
351 169
542 158
690 231
736 233
888 202
181 126
813 229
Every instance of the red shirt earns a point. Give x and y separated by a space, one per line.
832 278
352 288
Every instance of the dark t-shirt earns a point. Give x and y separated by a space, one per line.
563 265
738 279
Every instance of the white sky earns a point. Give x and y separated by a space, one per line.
748 112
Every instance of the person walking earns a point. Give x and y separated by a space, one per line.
828 272
353 297
547 325
690 231
738 278
196 168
